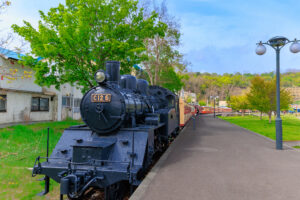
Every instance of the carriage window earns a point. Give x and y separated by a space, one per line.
2 103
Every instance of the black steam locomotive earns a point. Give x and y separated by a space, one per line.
126 123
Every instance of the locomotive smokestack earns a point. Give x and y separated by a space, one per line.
113 70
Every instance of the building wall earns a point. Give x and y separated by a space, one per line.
18 108
223 103
67 111
21 89
21 82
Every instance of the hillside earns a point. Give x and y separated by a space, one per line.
226 85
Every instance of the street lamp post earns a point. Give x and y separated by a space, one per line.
214 107
214 97
277 43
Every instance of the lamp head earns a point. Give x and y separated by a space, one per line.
100 76
278 41
295 47
260 49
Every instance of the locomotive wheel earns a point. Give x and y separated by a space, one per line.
117 191
91 194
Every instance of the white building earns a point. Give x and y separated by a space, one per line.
223 103
21 100
188 94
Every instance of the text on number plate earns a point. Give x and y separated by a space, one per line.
101 98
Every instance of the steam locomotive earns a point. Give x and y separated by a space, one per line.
126 123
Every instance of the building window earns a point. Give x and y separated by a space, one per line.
68 102
39 104
2 103
76 107
77 102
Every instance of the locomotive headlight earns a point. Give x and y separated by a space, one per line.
100 76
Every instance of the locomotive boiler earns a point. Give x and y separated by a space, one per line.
126 123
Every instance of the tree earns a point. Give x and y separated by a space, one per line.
239 103
188 99
171 80
257 97
202 103
76 39
262 96
165 63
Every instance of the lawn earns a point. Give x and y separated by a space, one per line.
290 126
19 146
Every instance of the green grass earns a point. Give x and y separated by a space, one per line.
290 126
19 146
297 102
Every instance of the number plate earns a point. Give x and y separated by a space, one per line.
101 98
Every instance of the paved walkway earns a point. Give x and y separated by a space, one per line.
220 161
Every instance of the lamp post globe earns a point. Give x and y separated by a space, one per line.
295 47
260 49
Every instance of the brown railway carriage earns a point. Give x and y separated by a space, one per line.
186 111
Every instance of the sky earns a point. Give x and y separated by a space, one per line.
217 35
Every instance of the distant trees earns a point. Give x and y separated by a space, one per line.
207 84
227 85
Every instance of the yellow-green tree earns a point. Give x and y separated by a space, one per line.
239 103
262 96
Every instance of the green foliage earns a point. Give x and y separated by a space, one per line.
207 84
76 39
262 96
202 103
239 102
226 85
257 96
171 80
188 99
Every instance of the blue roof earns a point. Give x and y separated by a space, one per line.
14 55
10 54
137 67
